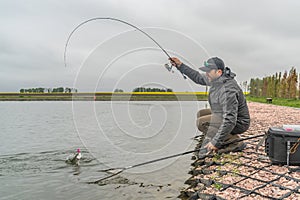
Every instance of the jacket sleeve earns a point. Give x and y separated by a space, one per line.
229 105
194 75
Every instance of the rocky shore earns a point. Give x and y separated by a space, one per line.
248 174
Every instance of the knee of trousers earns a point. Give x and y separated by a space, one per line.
202 125
203 112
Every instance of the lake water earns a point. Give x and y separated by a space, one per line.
36 138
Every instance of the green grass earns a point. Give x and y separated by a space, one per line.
218 186
276 101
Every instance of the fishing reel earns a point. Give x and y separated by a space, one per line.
169 68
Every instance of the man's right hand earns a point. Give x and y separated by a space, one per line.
175 62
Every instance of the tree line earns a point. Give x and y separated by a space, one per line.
49 90
143 89
278 85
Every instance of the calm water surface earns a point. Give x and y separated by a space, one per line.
36 138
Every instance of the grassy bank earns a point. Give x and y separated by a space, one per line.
277 101
131 96
106 96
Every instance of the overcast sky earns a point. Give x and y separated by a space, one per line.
255 38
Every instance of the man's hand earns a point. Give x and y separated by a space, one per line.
211 148
175 62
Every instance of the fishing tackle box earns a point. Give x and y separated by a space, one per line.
281 142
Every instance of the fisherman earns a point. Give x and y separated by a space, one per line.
228 115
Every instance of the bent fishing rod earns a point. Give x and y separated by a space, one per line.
169 68
115 171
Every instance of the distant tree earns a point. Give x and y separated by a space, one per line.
60 89
135 90
244 85
292 83
257 87
252 87
264 87
299 87
142 89
118 90
41 90
68 90
270 86
283 85
139 89
22 90
276 84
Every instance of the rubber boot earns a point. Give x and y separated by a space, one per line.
234 147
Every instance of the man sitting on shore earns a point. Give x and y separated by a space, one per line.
229 114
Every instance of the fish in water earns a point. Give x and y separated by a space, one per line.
74 158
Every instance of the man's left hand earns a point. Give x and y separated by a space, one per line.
210 147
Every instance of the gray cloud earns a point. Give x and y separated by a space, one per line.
255 38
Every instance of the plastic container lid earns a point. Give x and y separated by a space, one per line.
291 127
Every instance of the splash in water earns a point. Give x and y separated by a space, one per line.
74 159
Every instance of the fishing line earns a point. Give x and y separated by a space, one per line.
121 21
115 171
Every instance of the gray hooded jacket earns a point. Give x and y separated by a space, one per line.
226 100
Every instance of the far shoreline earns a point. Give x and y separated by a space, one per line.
106 96
134 96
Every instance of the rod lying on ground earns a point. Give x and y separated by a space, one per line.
118 170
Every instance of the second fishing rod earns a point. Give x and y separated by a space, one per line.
117 170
